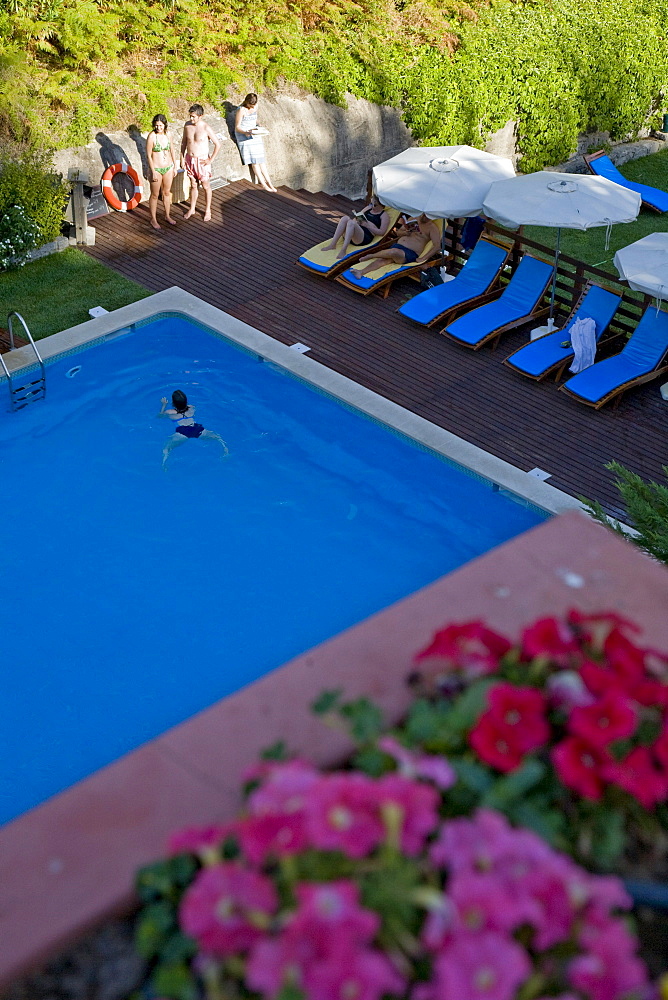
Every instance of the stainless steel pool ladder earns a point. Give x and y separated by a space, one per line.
33 389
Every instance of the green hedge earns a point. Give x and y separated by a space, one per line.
458 72
27 180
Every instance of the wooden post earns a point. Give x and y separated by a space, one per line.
78 179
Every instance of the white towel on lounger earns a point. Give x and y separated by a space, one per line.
583 339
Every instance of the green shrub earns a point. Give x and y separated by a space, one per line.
647 506
28 181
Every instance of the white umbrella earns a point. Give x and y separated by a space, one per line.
562 201
644 264
443 182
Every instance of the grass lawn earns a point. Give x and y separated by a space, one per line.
56 292
590 245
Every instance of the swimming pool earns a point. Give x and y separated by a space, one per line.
138 597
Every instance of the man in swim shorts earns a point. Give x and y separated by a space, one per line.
414 245
196 159
182 414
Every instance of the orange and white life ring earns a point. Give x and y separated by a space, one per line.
109 193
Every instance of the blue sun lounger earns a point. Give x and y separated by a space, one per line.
644 358
602 166
546 355
520 302
476 278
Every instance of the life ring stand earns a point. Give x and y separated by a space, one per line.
110 195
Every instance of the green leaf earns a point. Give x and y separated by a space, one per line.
364 718
388 891
476 777
326 702
175 982
178 950
537 816
370 760
467 708
277 751
155 924
608 837
426 720
514 786
290 992
165 879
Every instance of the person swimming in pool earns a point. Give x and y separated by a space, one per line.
415 244
183 416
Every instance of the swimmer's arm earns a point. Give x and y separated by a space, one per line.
163 411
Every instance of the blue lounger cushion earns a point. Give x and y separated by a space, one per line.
474 279
645 350
538 357
519 298
654 197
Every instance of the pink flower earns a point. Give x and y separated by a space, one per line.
610 718
494 743
332 909
411 765
415 810
279 836
284 788
328 924
483 903
486 966
200 840
360 974
226 908
638 776
470 647
342 815
475 844
522 711
609 970
580 766
550 639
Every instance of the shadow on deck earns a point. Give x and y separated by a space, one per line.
244 263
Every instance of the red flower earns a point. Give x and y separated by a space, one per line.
660 748
595 629
494 743
549 638
625 659
471 647
521 710
638 776
579 766
609 718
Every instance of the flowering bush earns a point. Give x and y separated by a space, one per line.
342 886
566 732
19 234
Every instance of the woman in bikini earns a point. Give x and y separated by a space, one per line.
414 245
182 415
161 168
360 229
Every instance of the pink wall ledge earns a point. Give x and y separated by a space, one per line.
69 863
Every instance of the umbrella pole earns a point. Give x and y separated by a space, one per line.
550 320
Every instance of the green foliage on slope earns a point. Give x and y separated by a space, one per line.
458 72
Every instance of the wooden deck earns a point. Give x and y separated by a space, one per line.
244 263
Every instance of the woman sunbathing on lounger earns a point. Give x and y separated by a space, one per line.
182 415
414 245
360 229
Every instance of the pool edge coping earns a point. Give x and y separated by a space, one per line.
402 420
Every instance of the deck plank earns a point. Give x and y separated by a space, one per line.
244 263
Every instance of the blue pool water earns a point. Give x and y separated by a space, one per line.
134 597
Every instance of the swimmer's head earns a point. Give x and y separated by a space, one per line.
156 119
179 401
